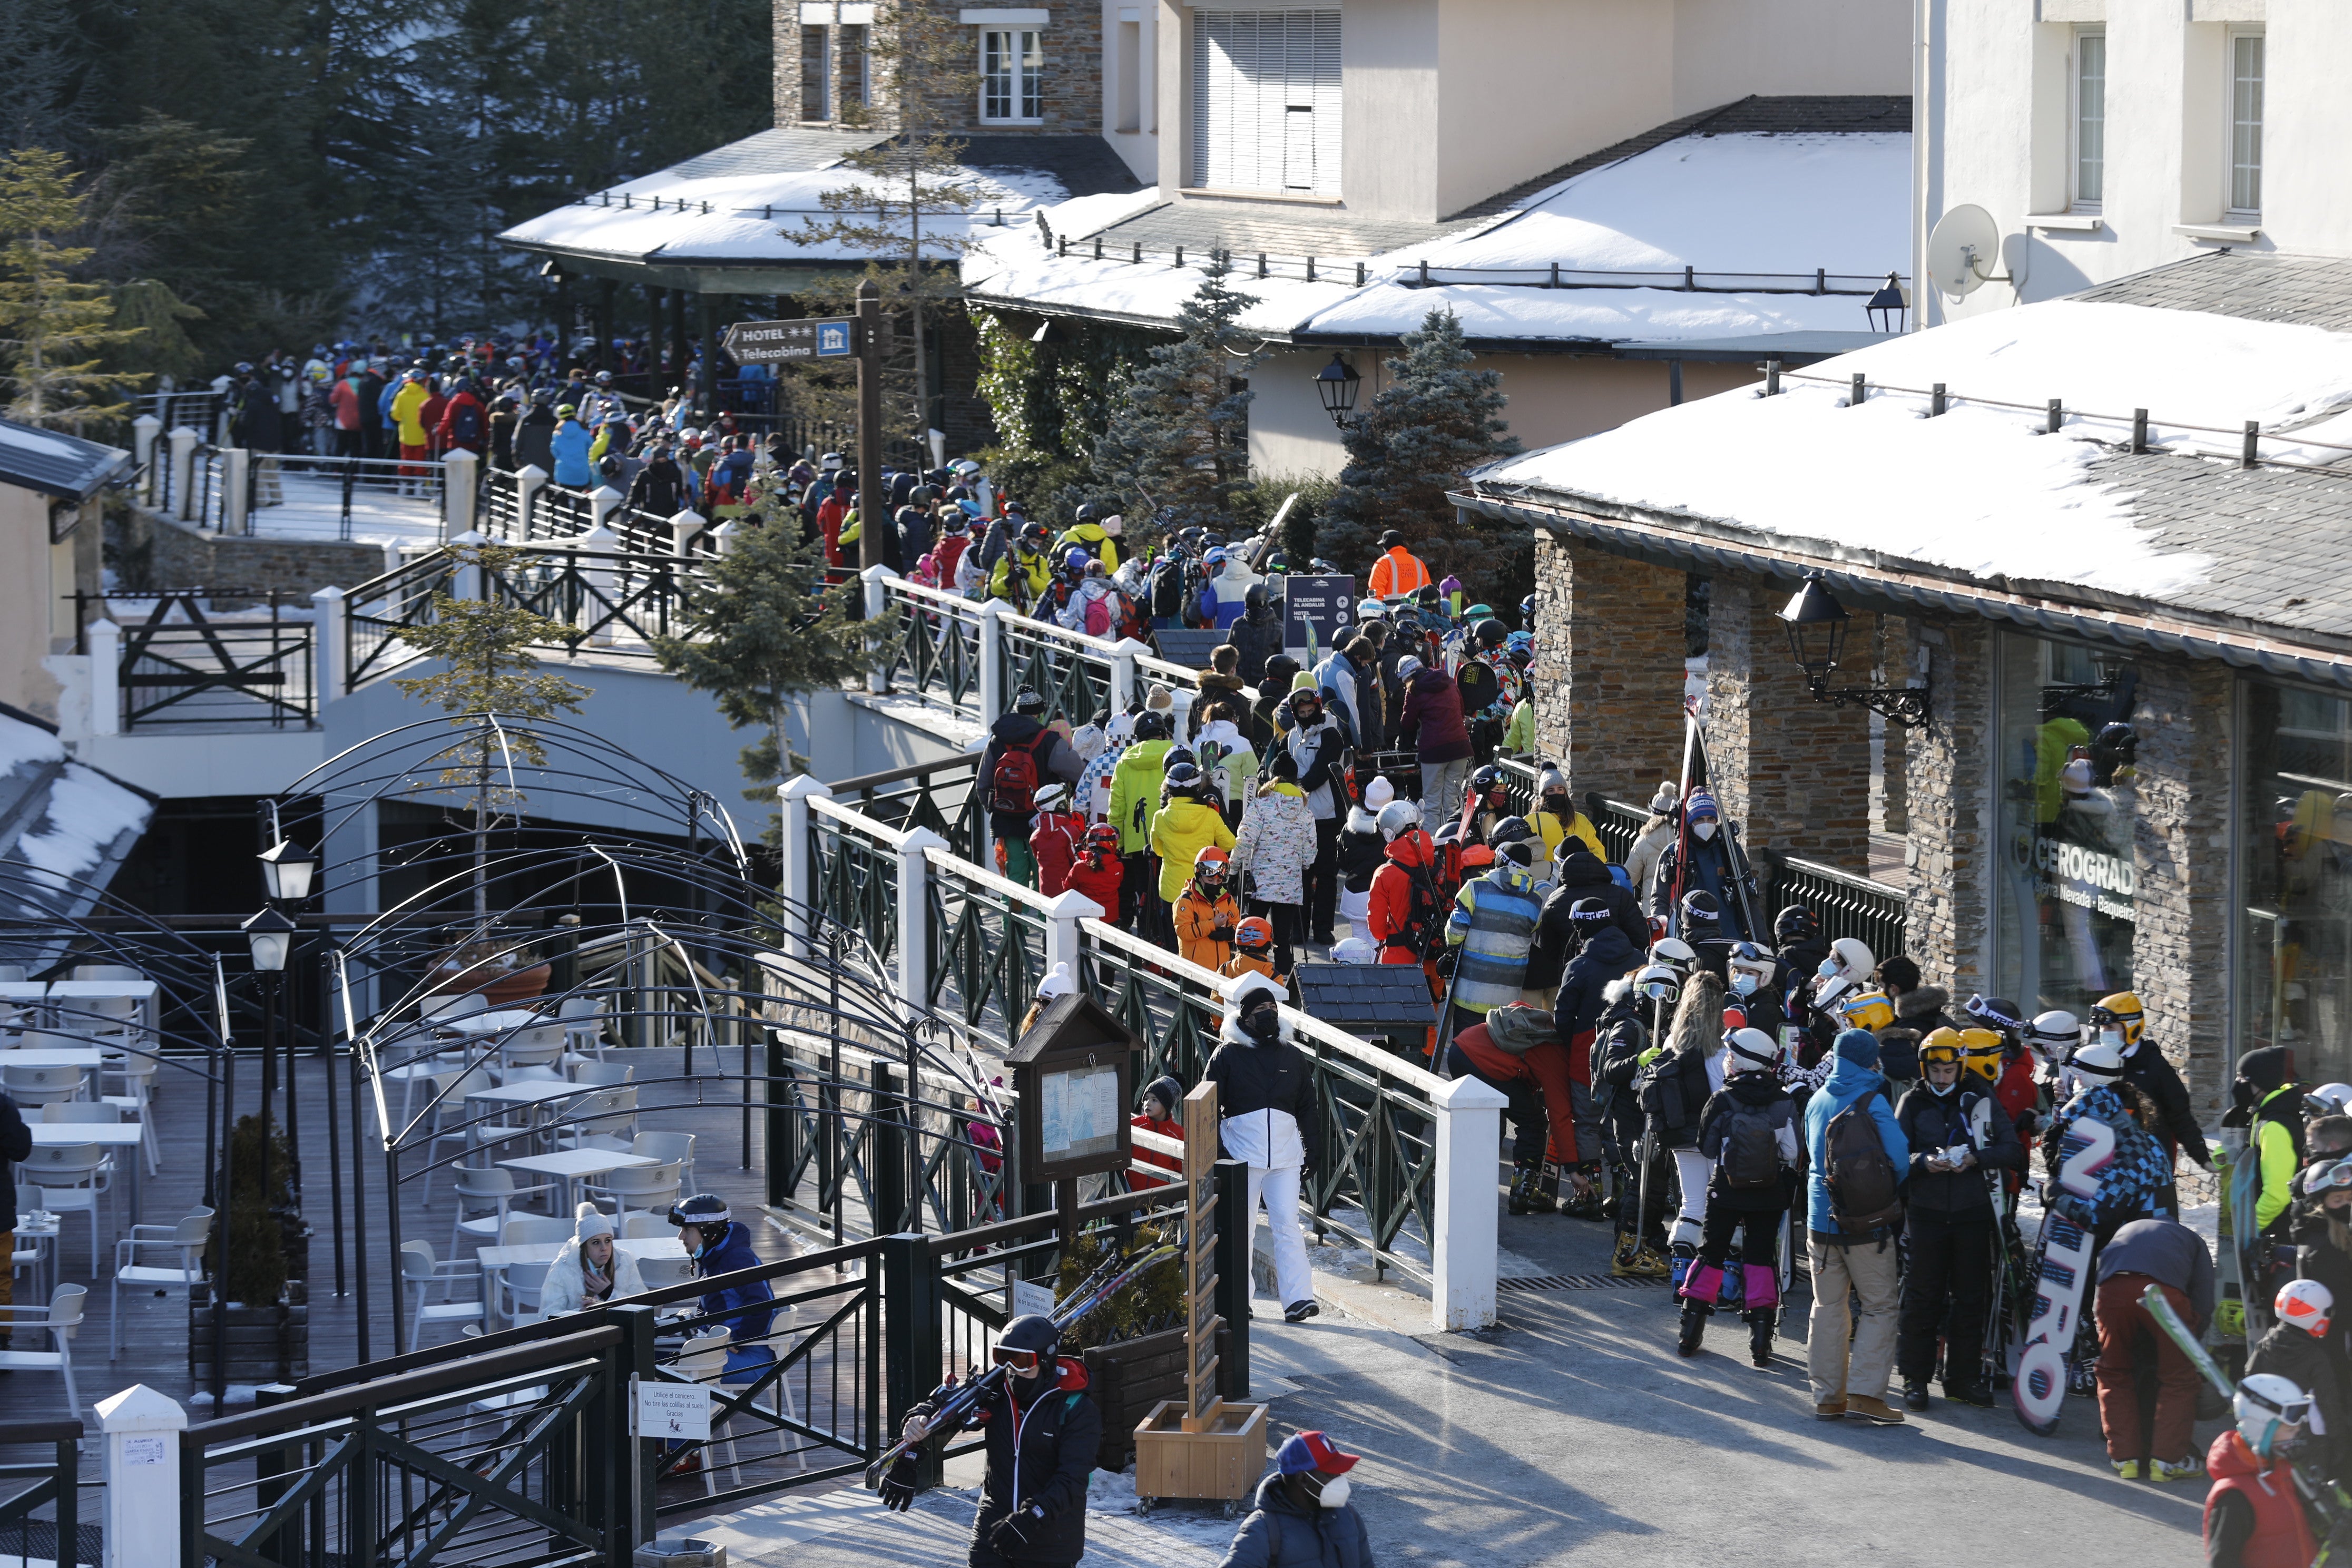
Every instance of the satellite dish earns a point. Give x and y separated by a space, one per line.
1965 244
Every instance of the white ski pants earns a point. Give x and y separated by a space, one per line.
1277 1186
1692 1170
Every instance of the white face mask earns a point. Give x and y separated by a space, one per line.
2113 1038
1744 983
1705 830
1334 1493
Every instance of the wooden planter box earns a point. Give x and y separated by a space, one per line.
264 1344
1224 1461
1127 1381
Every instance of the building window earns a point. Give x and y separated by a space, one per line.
2245 124
1266 100
1129 105
855 93
813 74
2066 900
1011 68
2090 118
2295 873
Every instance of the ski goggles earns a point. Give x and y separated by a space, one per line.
2339 1175
1942 1055
2290 1412
1019 1360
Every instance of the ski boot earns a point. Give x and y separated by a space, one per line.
1624 1262
2191 1468
1759 1339
1524 1180
1695 1317
1684 1256
2082 1377
1583 1200
1651 1264
1915 1394
1546 1190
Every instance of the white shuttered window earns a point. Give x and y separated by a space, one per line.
1266 100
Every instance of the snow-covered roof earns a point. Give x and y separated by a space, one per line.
1982 493
65 827
65 467
1702 238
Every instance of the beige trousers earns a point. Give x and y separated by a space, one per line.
1844 1358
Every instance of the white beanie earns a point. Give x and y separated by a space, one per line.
591 1222
1057 984
1378 792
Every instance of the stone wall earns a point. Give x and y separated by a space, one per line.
153 552
1949 886
1609 667
1793 772
2181 853
1072 76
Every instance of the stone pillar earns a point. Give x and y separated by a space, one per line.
1949 871
1793 772
105 639
2180 860
1607 673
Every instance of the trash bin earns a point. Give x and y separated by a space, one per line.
681 1551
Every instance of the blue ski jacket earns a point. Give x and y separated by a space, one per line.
752 1303
1852 1078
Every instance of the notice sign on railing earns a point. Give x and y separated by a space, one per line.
679 1411
772 342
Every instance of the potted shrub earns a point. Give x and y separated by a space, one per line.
260 1268
500 971
1133 1344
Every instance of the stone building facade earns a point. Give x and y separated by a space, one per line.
835 64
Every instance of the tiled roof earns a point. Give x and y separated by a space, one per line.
1085 165
1748 116
65 467
787 150
1366 995
2300 291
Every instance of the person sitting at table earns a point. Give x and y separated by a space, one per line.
717 1247
589 1269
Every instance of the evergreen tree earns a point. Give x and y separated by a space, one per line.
1176 450
55 331
1436 419
757 632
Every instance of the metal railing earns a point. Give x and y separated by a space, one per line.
186 664
379 610
932 646
1069 669
1846 903
201 410
942 796
56 1484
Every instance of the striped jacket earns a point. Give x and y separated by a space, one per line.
1491 930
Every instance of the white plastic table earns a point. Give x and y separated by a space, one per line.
494 1023
45 1272
571 1166
106 1134
46 1057
532 1092
497 1261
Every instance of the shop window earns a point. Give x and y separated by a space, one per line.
2294 869
814 74
2063 772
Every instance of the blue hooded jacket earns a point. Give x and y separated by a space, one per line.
1855 1075
752 1304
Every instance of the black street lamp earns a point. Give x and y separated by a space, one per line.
1817 627
270 935
286 869
1337 383
1887 306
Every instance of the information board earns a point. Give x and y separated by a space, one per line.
773 343
1316 610
1082 1114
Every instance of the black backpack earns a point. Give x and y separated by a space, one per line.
1865 1187
1168 587
465 426
1751 1154
1659 1090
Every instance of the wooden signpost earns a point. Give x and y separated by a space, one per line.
1201 1446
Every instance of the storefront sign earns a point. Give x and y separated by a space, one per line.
2086 878
771 342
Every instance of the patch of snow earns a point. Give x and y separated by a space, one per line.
1081 217
237 1394
85 815
1590 315
1014 265
26 746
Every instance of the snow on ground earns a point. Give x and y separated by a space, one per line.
1589 315
313 508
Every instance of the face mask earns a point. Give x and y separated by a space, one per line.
1705 830
1829 969
1263 1026
1334 1493
2243 1094
1745 983
2113 1038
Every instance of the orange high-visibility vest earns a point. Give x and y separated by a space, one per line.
1398 571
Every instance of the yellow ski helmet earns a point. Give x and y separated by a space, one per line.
2121 1011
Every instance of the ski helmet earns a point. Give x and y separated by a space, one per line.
2121 1012
1050 795
1659 983
1490 633
1397 817
2308 1304
2053 1032
707 1212
1027 1341
1674 952
1512 830
1752 1050
1865 1010
1852 959
1587 916
1151 724
2328 1099
1941 1049
1485 781
1795 923
2271 1412
1209 865
1980 1053
1997 1013
2099 1061
1104 836
1253 934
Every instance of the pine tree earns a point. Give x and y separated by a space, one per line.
1436 419
55 330
757 633
1177 446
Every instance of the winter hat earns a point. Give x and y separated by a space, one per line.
1159 699
1551 780
1378 794
1240 989
1168 1092
590 1223
2266 1068
1702 806
1057 984
1859 1047
1312 1451
1664 801
1408 666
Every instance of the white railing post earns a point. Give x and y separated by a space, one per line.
530 480
236 479
460 489
143 1431
601 581
876 579
1063 936
469 583
991 663
602 502
105 677
1122 673
328 608
914 907
1462 1252
144 431
799 884
182 459
722 537
683 527
1181 716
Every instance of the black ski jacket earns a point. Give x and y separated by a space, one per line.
1582 990
1932 1123
2309 1364
2151 1072
1581 876
1049 1442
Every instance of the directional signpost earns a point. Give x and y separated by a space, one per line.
855 338
778 343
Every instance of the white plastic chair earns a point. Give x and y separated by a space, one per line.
41 1086
456 1005
449 1118
420 1272
671 1149
703 1359
61 1317
603 1075
186 1239
660 1272
138 1076
520 1298
73 1177
535 1046
645 1188
642 1227
583 1024
494 1189
604 1120
106 972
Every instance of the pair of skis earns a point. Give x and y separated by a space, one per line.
1698 769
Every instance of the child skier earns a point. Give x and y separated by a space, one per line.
1057 838
1099 872
1253 951
1748 1132
1206 913
1160 1102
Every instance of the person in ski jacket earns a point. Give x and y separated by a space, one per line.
1023 574
1266 1119
1957 1134
1678 1076
1057 838
1602 956
1557 818
1254 953
1043 1435
1748 1136
1091 537
462 422
1406 909
1093 797
1225 756
1432 723
1317 746
1519 1051
1276 845
589 1271
1206 912
1700 858
1849 1364
2300 1347
718 1245
1489 935
1650 845
1135 789
1011 819
1579 875
1256 635
1397 573
1361 849
569 446
660 486
1182 828
1100 870
1162 1102
2254 1513
2121 1021
2173 1258
1300 1517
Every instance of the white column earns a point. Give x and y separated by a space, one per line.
914 909
683 527
143 1431
528 480
327 625
799 884
236 480
722 537
1063 936
460 476
601 577
182 459
992 662
143 432
603 501
105 677
1181 716
469 583
876 579
1462 1252
1122 672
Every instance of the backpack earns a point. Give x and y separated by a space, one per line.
1659 1092
1751 1154
1099 617
1012 788
1864 1185
1167 588
1425 917
465 425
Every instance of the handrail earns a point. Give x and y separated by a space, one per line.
864 783
1853 881
481 1367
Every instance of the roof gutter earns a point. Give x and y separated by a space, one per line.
1905 589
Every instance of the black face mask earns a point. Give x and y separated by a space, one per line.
2244 1094
1264 1025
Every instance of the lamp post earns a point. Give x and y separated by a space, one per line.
1817 628
270 935
286 869
1886 307
1337 385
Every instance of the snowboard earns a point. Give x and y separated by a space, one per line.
2061 1274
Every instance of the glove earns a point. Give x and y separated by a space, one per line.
1653 1054
1017 1531
899 1485
2202 1155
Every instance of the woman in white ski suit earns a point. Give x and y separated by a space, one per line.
1266 1104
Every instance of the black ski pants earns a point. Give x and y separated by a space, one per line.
1323 881
1950 1268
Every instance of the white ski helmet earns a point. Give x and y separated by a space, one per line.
2308 1305
1398 817
2099 1061
1852 959
2328 1099
2272 1412
1752 1050
1674 952
2052 1034
1659 983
